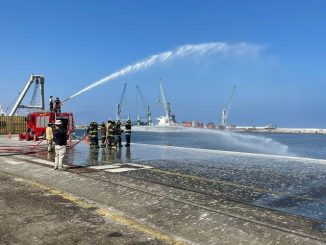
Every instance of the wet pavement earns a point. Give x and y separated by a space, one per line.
255 199
287 184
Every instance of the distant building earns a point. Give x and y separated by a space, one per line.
211 125
192 124
186 124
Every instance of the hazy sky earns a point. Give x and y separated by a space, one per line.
76 43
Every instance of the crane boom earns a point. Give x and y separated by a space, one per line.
39 81
166 104
119 106
146 105
225 112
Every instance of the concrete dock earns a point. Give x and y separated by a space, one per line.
157 195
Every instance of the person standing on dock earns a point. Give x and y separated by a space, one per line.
51 103
109 134
49 136
103 134
60 137
92 134
118 132
128 132
57 105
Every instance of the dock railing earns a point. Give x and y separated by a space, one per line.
12 124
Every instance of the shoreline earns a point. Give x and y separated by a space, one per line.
258 130
282 130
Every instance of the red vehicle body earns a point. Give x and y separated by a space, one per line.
36 123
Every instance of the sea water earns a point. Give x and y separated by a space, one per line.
281 144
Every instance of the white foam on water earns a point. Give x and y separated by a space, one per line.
229 140
235 153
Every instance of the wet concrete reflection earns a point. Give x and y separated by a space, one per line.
292 185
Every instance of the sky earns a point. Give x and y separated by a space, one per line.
278 66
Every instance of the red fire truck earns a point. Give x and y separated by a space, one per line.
36 123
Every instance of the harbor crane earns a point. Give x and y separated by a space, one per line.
38 80
168 119
119 106
225 111
166 104
144 101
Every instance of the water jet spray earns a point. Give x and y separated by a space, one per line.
222 48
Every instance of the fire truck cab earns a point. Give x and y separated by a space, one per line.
36 123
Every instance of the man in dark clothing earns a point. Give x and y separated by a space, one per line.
128 132
92 133
51 103
60 137
103 134
57 105
118 132
109 134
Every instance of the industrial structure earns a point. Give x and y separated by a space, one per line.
35 122
38 81
168 120
2 113
119 106
147 108
226 110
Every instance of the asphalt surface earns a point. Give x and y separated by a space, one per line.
126 202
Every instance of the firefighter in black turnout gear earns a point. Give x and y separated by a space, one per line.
118 132
51 103
57 105
92 133
103 134
128 132
109 134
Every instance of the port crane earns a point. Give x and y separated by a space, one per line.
166 104
37 121
168 119
225 111
38 80
143 100
1 111
119 106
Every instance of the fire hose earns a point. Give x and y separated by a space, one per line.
9 150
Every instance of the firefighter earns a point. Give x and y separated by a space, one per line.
113 135
128 132
57 105
109 134
51 103
103 134
118 132
92 133
128 154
